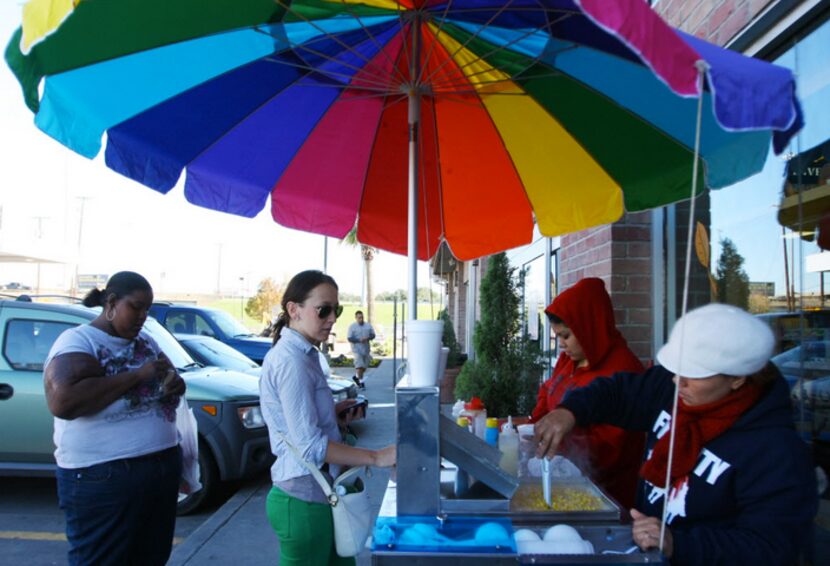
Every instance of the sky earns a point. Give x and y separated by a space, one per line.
179 247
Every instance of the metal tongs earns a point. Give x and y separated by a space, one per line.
546 481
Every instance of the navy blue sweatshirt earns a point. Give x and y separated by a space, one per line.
752 496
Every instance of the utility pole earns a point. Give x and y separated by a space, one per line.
39 236
241 300
219 269
80 241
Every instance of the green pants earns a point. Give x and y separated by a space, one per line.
305 530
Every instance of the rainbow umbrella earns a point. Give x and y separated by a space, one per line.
500 114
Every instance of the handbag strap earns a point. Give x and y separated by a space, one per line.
315 472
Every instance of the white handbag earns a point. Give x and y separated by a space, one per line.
350 505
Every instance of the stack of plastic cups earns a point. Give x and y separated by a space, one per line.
527 448
424 346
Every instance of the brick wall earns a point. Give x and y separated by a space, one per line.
717 21
620 255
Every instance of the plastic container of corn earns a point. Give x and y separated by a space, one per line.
576 499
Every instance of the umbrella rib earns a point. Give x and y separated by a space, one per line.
541 8
451 87
439 29
504 47
309 67
464 45
334 37
381 49
334 75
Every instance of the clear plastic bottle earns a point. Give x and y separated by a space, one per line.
509 447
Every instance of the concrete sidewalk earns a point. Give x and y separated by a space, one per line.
239 533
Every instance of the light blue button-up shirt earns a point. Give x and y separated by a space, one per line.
297 402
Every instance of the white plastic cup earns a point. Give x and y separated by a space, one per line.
527 449
423 338
442 362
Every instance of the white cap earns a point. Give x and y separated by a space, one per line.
717 339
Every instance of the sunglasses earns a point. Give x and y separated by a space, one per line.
324 311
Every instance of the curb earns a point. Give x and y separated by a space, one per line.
182 554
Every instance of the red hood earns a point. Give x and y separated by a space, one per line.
586 309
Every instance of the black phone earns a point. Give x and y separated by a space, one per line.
359 406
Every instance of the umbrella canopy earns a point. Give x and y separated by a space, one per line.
561 112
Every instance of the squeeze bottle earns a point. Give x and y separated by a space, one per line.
509 447
475 411
491 433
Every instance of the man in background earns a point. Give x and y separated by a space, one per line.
359 336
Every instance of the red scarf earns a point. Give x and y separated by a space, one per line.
696 426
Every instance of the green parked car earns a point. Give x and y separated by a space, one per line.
233 440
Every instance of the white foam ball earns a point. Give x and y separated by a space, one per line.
562 533
525 535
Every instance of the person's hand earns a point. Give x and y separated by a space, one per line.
344 415
385 457
155 369
550 431
645 531
173 384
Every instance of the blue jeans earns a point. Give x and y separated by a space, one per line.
122 512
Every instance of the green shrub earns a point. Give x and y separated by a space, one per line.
508 365
454 358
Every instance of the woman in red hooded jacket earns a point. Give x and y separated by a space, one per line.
590 346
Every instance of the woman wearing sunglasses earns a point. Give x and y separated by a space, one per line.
297 404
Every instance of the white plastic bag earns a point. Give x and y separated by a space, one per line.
351 512
189 441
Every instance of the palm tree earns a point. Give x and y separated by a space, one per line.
368 253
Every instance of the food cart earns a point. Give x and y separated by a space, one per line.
451 503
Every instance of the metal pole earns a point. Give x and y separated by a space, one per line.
414 98
75 287
325 254
394 340
548 300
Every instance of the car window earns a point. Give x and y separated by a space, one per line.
227 324
201 326
793 328
27 342
215 353
168 344
179 322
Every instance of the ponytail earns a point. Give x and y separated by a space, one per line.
95 298
282 322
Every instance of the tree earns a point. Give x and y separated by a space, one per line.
427 295
449 340
389 296
732 280
368 254
505 373
268 295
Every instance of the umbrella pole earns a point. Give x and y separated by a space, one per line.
412 240
414 99
702 67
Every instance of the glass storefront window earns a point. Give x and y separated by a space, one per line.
766 245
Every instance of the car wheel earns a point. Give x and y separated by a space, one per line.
208 476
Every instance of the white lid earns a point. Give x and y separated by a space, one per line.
507 428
